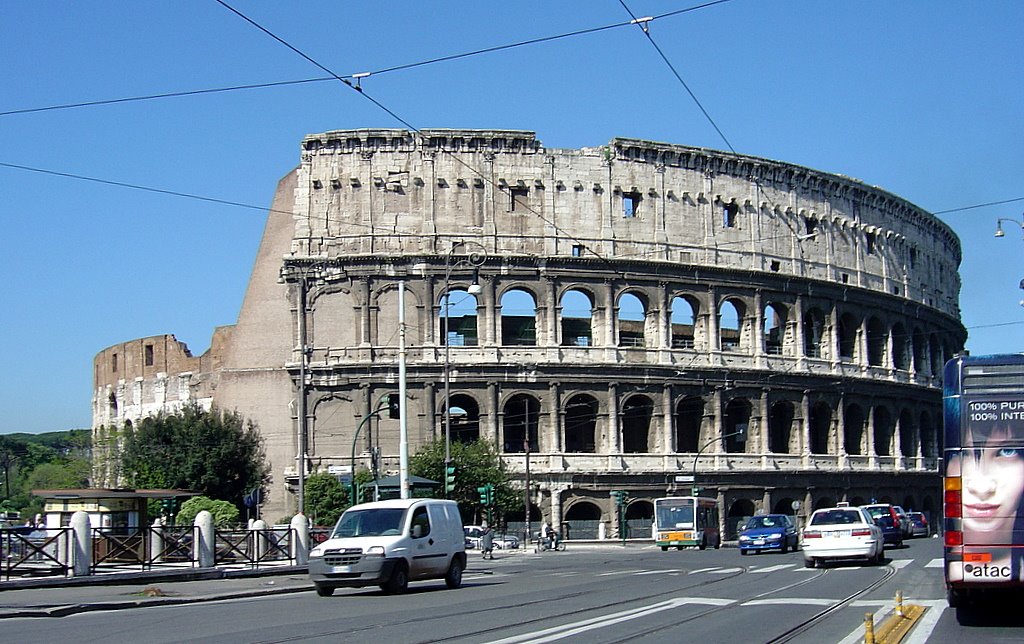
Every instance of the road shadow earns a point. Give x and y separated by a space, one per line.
1001 610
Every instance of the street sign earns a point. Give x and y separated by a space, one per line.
684 478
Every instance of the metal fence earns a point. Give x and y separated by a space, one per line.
35 553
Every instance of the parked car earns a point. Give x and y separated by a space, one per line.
506 541
919 524
472 533
842 532
904 521
892 530
768 532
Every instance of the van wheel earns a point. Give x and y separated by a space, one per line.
398 582
453 578
808 563
324 591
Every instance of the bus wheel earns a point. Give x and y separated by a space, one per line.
703 544
954 598
664 548
679 547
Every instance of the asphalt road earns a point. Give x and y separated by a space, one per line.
597 595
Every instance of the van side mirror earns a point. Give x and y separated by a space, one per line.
417 531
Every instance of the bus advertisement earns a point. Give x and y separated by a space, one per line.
983 485
686 521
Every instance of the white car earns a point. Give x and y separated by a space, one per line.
841 532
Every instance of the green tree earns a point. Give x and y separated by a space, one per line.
476 464
225 514
325 498
59 475
215 453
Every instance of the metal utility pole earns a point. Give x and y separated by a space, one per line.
301 457
403 429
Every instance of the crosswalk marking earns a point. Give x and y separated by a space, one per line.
807 601
724 571
772 568
899 564
700 570
935 563
658 572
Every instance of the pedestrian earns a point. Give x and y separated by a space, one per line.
486 541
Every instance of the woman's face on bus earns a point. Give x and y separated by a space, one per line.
992 486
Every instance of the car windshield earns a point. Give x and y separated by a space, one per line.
378 522
836 517
764 522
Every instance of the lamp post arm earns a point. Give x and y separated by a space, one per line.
381 404
707 445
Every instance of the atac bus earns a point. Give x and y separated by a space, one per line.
983 414
686 521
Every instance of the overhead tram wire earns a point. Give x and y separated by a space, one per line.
378 72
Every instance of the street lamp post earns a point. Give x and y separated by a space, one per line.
475 260
707 445
1000 233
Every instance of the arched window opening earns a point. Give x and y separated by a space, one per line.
581 520
465 419
682 320
689 416
848 328
814 333
935 354
632 317
907 446
853 424
737 419
636 424
821 423
901 348
929 437
521 416
780 428
876 342
577 319
774 329
458 319
729 326
581 424
784 506
920 349
883 432
824 502
739 512
518 319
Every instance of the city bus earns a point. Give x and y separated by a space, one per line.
686 521
983 482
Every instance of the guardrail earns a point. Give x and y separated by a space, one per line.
35 553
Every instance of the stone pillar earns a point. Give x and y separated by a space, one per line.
203 549
805 428
364 312
493 431
841 430
870 451
763 443
610 338
668 445
758 318
299 547
613 419
714 346
81 544
551 319
717 432
555 441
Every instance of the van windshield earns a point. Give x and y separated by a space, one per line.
378 522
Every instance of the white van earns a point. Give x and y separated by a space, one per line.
389 544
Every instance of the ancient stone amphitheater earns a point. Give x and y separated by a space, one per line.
623 317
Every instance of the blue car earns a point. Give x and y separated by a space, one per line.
768 532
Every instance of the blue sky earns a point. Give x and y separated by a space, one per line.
922 98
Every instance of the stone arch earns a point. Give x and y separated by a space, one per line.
730 324
784 506
465 418
518 318
689 417
775 327
908 448
908 504
780 427
332 321
857 500
935 354
849 329
883 431
683 320
820 427
853 423
333 421
637 425
581 520
902 348
929 436
876 342
577 318
640 509
459 324
824 502
580 417
520 419
920 351
631 319
737 413
814 332
739 512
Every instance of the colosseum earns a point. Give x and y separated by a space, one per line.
622 317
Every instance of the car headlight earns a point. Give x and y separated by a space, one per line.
744 537
317 552
375 551
775 535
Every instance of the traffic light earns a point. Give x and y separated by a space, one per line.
449 478
393 408
486 494
619 497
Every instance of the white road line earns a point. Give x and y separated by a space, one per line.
700 570
921 632
620 572
725 571
772 568
900 564
575 628
935 563
807 601
657 572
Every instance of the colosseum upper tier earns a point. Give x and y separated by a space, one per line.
620 317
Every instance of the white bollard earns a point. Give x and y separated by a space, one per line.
601 531
300 540
156 543
81 544
259 531
205 546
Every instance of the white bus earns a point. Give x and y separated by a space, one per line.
686 521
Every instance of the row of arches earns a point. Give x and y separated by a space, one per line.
790 426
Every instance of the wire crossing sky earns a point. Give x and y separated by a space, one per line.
185 117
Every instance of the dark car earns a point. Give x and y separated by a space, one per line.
768 532
918 523
888 520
